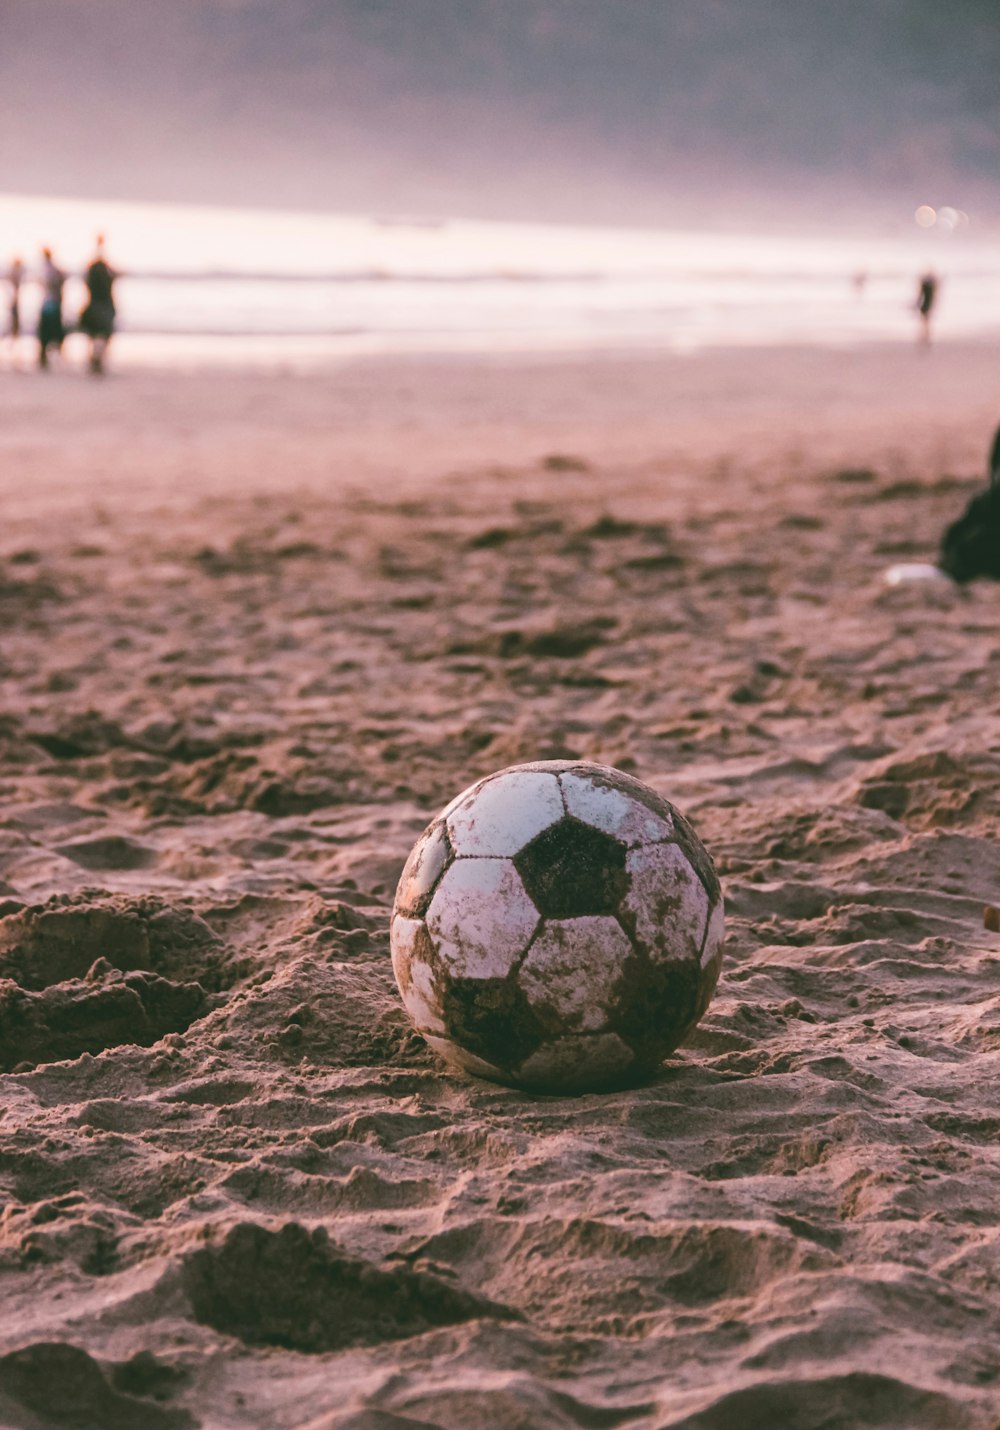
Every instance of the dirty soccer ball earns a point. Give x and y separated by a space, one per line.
558 926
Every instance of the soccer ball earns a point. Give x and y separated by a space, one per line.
558 926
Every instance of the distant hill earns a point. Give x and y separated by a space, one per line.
625 110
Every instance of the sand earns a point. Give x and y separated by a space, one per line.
256 630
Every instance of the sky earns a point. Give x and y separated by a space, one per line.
687 112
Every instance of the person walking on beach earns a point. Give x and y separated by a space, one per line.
98 318
926 298
50 320
15 277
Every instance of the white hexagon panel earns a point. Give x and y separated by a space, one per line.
667 902
571 971
503 815
614 810
480 918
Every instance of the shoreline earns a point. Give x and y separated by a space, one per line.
315 354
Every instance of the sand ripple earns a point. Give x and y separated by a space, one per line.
235 1188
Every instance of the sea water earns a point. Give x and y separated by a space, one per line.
236 284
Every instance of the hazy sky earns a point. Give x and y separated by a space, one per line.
629 110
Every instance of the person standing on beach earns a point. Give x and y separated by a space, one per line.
15 277
926 298
50 320
98 318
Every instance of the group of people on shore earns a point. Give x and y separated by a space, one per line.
96 319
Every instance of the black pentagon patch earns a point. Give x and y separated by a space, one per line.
706 986
659 1010
428 860
491 1018
571 870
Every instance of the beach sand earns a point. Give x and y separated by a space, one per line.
256 630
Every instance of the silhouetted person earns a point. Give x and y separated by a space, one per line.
50 320
994 462
15 277
926 298
970 546
98 318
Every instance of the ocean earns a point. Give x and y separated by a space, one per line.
220 284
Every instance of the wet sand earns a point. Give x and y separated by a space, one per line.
254 631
